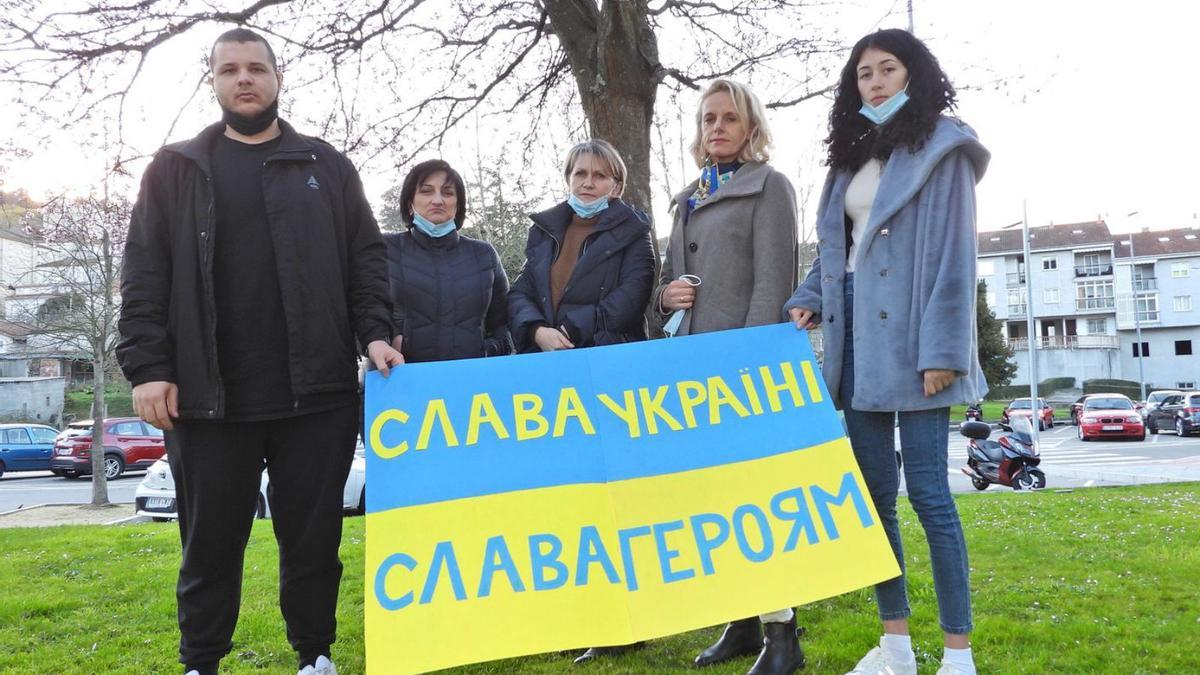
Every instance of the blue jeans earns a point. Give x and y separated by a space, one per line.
924 441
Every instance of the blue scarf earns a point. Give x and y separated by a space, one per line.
712 177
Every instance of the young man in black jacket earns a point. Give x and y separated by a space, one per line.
253 264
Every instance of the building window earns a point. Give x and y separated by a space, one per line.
985 268
1145 351
1185 385
1147 308
1179 270
1097 326
1183 348
1094 295
1050 296
1183 303
1049 263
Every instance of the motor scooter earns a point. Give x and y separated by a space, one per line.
974 413
1012 460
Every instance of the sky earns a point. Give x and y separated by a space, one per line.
1096 114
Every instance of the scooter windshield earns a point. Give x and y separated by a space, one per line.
1022 428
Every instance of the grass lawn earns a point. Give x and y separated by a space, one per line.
1090 581
117 398
991 412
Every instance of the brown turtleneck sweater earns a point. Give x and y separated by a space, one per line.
561 268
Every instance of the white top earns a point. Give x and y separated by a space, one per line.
860 195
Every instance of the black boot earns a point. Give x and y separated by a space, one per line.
594 653
741 638
781 653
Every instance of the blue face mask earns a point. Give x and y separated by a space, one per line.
435 230
587 209
885 111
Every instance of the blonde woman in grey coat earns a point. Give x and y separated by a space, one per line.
731 263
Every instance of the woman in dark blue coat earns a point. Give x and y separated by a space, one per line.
589 262
448 289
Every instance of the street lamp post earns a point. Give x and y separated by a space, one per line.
1030 327
1137 319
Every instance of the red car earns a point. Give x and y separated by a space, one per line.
1021 406
1110 416
129 443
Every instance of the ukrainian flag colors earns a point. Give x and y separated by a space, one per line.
604 496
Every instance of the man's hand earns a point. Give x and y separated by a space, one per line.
551 339
384 356
937 379
156 403
802 317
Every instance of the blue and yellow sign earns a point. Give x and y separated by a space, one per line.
604 496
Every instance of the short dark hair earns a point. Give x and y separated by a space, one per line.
241 35
417 175
852 138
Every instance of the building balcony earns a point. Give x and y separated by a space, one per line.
1015 278
1145 284
1095 303
1093 270
1016 310
1067 342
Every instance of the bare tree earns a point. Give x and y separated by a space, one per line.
404 73
83 243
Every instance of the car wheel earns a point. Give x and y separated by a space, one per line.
113 466
1079 433
1151 427
1179 428
1 468
1041 425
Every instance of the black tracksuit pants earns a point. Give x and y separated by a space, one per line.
217 468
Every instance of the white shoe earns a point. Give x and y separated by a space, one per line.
950 669
192 672
876 662
323 666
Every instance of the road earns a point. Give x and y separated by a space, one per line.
1067 461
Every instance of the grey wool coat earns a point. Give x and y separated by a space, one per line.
741 242
914 280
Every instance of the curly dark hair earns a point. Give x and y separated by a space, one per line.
853 139
417 175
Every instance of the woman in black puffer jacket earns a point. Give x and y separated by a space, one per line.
589 262
448 289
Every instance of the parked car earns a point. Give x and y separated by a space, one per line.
1022 406
1181 412
129 444
1110 416
1076 407
1150 412
26 447
155 496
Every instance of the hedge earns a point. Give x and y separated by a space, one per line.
1045 388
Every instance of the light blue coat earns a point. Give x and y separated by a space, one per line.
914 280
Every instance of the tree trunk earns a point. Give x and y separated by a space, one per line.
99 482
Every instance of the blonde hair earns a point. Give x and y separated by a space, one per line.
603 150
752 112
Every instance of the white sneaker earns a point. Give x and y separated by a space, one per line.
192 672
323 666
876 662
950 669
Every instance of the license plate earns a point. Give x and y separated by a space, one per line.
159 502
1113 427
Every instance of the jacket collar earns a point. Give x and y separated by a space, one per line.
748 180
434 243
555 220
292 145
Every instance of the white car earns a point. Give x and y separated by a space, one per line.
155 495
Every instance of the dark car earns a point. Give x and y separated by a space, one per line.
129 443
1157 418
26 447
1181 412
1021 406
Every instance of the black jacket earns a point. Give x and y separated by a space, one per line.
605 299
329 255
449 296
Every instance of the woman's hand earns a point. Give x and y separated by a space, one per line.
802 317
677 295
937 379
550 339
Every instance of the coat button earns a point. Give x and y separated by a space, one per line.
693 247
827 279
884 232
883 272
883 315
829 319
